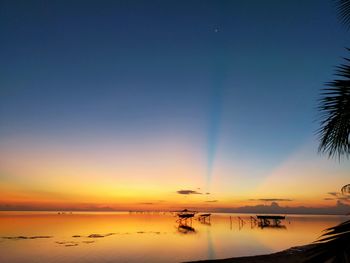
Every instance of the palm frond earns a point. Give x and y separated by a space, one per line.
345 189
333 246
343 9
335 114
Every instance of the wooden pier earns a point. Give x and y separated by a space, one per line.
203 218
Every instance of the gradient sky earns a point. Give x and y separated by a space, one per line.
123 103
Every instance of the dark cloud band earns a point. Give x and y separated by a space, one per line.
188 192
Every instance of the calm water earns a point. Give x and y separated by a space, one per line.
124 237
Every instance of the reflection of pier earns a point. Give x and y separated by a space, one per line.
241 223
281 227
270 220
262 221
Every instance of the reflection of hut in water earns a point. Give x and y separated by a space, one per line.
185 221
185 229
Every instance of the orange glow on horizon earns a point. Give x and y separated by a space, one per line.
148 176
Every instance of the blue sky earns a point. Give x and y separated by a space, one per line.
241 77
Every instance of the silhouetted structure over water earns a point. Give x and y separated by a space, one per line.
265 220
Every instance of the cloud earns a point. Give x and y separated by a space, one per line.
146 203
336 194
207 193
212 201
188 192
272 200
328 199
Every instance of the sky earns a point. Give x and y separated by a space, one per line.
120 105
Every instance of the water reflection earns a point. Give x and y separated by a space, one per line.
186 229
211 249
124 237
205 223
267 222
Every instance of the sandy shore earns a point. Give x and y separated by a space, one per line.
292 255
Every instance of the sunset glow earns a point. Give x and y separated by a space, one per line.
110 117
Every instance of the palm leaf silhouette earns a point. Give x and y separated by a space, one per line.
333 246
343 9
335 114
345 189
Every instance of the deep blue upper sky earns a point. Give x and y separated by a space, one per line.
243 73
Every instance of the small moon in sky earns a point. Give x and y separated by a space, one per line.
216 30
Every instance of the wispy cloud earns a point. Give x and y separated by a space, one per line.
336 194
272 199
212 201
188 192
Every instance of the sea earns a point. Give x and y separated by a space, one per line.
76 237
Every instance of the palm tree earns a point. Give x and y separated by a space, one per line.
334 244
